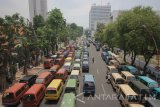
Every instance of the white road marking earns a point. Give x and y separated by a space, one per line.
97 71
103 90
79 88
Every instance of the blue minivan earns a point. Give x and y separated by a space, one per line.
156 93
88 84
148 82
131 69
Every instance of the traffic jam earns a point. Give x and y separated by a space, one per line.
62 73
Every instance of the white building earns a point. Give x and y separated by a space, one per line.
99 14
116 13
37 7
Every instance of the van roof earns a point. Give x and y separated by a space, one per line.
54 84
157 89
88 78
68 100
55 66
136 105
15 87
44 74
61 70
145 78
76 65
139 84
47 60
67 64
127 90
126 73
75 72
111 66
130 67
116 75
69 58
71 83
154 102
34 89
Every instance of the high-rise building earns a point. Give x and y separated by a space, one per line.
38 7
99 14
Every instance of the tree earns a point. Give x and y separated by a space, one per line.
56 23
11 28
99 31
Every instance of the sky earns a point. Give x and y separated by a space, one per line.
76 11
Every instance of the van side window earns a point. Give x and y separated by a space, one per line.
59 87
20 91
145 83
40 91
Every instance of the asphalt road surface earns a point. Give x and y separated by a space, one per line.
104 96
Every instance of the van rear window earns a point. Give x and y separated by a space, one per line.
39 80
8 96
29 97
51 92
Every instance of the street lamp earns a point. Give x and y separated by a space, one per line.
144 26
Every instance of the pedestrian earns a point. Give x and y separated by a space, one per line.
92 59
108 77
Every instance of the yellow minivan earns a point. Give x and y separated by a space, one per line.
127 76
116 79
54 90
126 95
135 105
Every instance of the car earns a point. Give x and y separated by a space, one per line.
129 68
29 79
112 69
85 56
85 59
97 48
77 61
85 66
68 66
77 66
86 53
89 84
103 55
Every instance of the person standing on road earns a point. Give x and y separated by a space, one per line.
92 59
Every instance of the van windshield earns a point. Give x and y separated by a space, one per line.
51 92
39 80
73 77
119 81
29 97
132 98
131 78
89 85
69 90
8 96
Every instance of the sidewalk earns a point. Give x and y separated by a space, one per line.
19 75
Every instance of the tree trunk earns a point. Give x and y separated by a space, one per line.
146 63
25 61
37 60
133 58
124 56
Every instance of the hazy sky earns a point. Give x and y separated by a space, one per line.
73 10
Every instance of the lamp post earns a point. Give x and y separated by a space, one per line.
157 51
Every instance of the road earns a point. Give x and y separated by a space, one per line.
104 93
